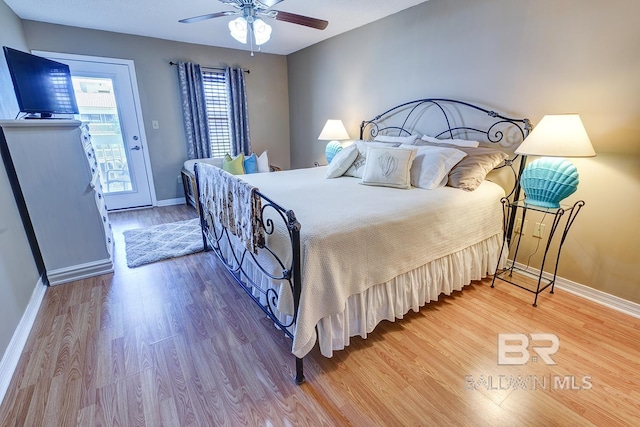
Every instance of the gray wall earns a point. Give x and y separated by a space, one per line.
525 58
18 273
11 35
160 99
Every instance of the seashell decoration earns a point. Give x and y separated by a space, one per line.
332 149
547 181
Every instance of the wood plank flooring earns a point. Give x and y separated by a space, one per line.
174 343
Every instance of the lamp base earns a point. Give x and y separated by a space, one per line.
332 149
547 181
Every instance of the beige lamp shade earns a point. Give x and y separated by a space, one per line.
333 130
558 135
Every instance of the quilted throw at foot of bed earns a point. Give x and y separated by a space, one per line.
235 203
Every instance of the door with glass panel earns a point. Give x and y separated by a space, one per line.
106 97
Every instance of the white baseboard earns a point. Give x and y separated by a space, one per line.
79 272
171 202
620 304
14 350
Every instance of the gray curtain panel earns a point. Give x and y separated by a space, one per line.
238 111
194 110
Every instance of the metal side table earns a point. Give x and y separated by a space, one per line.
506 274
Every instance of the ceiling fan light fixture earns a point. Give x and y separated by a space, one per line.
261 31
238 29
248 27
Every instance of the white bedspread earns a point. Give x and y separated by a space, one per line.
354 236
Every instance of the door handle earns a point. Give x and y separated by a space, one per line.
135 147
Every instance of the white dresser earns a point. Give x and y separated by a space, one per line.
57 178
92 161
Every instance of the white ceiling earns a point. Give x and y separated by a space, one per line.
159 18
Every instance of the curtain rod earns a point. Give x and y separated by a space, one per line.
212 68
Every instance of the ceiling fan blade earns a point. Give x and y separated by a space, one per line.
209 16
269 3
300 20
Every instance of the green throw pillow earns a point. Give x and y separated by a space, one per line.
233 166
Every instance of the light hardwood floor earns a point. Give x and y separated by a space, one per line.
175 343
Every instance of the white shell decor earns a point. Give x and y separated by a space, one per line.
547 181
388 164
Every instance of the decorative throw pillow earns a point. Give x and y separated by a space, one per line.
342 161
250 164
432 164
263 162
388 167
473 169
456 142
357 167
408 139
233 166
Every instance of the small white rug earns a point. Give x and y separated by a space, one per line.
151 244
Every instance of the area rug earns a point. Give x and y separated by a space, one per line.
151 244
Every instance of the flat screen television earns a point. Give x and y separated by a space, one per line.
43 87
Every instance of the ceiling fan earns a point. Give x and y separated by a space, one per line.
249 21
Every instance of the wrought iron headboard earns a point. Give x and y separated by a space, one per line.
413 110
453 116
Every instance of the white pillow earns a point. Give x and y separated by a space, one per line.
432 165
357 167
410 139
342 161
263 162
388 167
458 142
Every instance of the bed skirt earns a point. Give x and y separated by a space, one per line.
410 291
390 300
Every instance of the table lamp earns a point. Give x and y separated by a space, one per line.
333 131
550 179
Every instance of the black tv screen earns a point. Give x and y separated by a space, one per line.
41 85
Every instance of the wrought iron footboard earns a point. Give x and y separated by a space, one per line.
214 236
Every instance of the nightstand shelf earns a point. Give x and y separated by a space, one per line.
511 210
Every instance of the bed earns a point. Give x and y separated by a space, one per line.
329 259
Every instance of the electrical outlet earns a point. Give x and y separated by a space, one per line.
179 179
538 230
518 228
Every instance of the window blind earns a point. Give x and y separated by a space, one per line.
215 93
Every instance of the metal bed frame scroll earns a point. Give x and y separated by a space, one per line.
290 272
